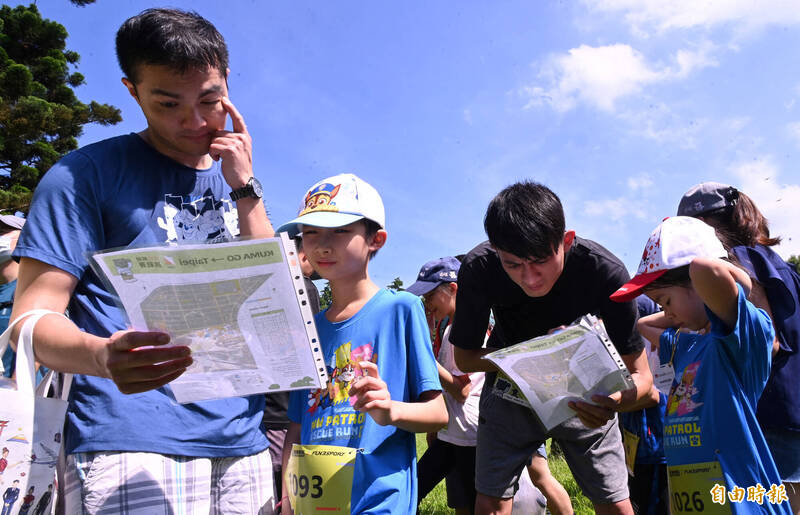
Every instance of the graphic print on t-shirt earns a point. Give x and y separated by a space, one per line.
681 400
331 408
202 219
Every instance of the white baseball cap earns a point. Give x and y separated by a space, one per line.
337 201
673 244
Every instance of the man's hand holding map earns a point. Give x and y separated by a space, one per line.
240 307
548 372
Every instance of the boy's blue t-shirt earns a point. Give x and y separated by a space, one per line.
116 193
389 330
711 410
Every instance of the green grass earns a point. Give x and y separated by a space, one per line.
436 502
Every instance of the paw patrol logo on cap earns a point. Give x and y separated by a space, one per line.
337 201
321 198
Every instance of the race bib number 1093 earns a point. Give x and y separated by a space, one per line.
320 478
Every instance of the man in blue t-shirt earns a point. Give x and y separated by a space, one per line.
184 178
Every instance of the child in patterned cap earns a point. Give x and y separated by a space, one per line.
384 385
716 452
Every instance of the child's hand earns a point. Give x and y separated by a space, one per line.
284 507
371 394
651 327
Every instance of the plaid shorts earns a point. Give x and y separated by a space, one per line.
146 483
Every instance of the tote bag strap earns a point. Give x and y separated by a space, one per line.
25 371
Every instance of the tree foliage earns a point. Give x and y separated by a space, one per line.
40 116
396 284
326 297
795 262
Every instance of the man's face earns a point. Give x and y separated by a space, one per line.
536 277
183 110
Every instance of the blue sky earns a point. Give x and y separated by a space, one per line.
619 106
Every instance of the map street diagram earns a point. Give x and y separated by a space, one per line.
546 373
240 307
211 331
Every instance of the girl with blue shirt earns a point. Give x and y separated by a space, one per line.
719 346
744 231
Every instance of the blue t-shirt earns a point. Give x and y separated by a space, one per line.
711 411
116 193
779 407
389 330
6 303
647 424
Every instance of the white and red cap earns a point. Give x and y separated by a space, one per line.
673 244
337 201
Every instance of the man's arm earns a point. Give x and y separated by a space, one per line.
60 345
235 148
469 360
428 414
642 395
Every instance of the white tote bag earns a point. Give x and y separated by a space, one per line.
30 430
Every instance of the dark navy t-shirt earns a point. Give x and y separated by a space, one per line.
116 193
779 406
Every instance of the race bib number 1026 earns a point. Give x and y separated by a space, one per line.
690 488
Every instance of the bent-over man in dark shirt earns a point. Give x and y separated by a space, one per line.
535 277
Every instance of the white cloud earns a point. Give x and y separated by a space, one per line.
735 124
779 202
613 209
632 204
641 182
647 15
597 75
794 131
600 76
697 59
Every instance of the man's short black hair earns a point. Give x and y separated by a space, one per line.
525 219
181 40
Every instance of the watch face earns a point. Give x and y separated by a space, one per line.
257 191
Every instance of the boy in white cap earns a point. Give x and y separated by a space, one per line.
377 347
716 453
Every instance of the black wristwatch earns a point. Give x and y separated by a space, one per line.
251 189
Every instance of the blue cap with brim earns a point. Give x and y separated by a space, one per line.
15 222
434 273
423 287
